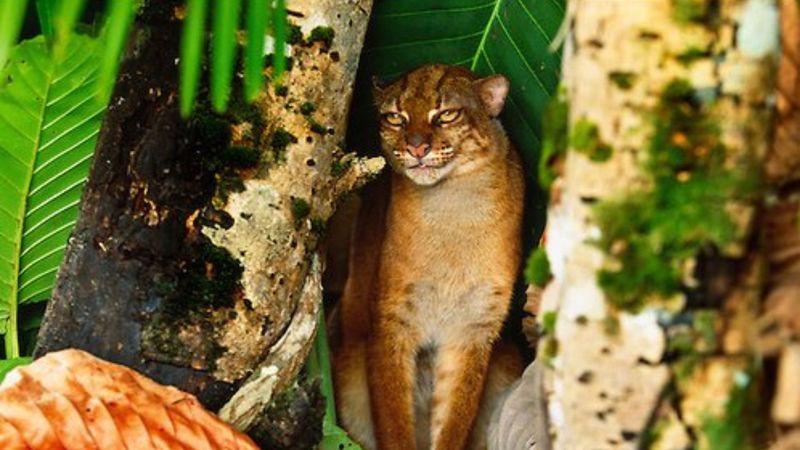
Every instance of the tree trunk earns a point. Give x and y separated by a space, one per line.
195 259
648 318
779 322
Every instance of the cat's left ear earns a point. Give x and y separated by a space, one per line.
493 91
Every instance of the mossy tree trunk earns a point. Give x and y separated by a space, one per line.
195 259
649 319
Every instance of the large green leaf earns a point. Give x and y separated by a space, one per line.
495 36
49 120
319 366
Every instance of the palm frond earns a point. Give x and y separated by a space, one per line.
65 15
223 51
115 34
257 21
12 13
192 52
279 33
224 27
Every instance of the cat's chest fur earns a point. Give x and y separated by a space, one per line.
443 248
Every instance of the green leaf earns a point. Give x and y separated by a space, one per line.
279 27
49 120
12 13
319 365
7 365
45 11
223 52
192 53
495 36
67 13
257 18
115 33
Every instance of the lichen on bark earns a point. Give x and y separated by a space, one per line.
638 242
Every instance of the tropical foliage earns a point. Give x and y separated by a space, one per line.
51 117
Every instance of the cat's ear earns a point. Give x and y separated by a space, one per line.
493 91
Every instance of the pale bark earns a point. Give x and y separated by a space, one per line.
603 388
277 248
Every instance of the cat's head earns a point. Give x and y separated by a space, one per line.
439 119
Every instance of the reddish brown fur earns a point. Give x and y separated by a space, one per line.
433 266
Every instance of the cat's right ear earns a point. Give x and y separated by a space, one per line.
493 91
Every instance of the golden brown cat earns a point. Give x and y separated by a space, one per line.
436 252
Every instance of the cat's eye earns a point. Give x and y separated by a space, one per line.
394 119
447 116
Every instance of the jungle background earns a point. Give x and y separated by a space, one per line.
169 170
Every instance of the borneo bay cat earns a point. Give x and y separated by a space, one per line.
432 268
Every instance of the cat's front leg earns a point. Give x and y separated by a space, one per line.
391 368
459 379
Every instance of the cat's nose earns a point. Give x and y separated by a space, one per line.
418 151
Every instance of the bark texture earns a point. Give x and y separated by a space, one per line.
284 207
146 180
629 68
779 322
195 257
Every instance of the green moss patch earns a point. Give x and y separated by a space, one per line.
300 209
692 54
537 269
585 138
323 35
307 108
741 427
555 124
339 167
295 35
211 278
623 80
316 127
687 11
652 232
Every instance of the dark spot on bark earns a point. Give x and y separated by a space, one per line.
629 435
586 377
335 56
647 35
310 162
596 43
